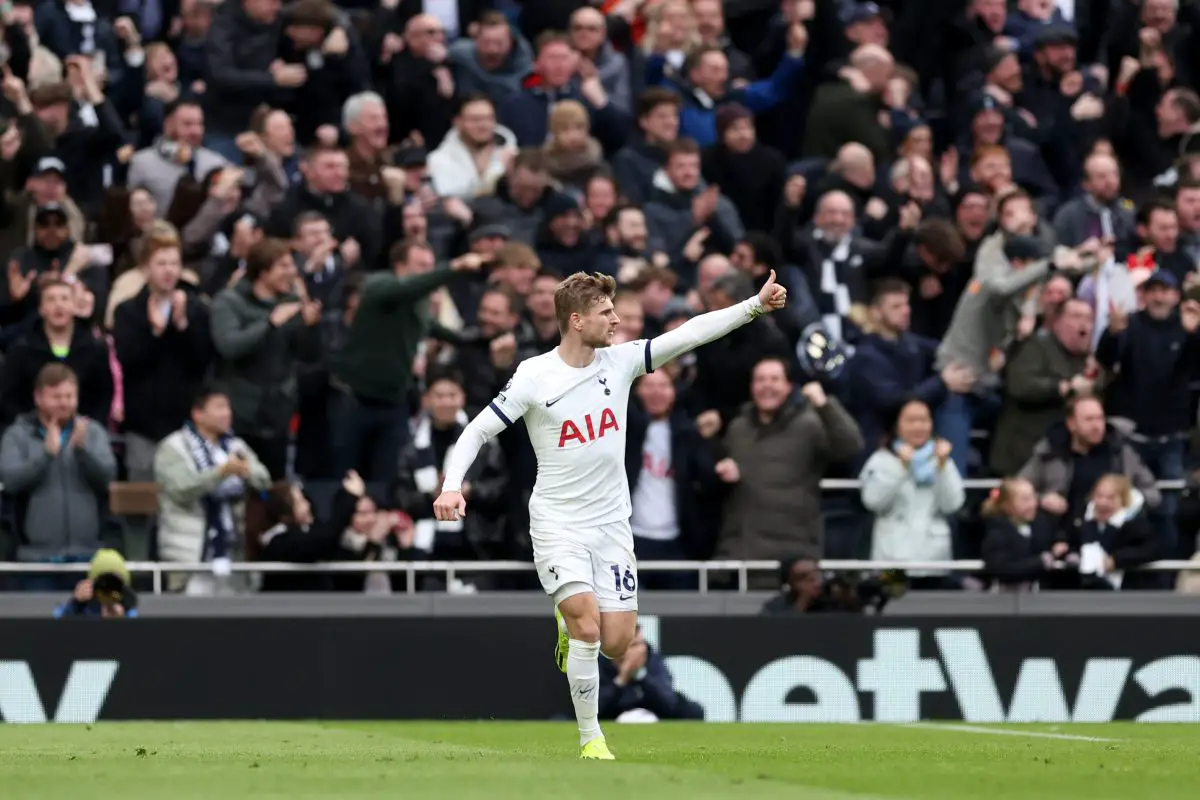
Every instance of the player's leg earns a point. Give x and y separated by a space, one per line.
579 615
565 570
617 629
616 579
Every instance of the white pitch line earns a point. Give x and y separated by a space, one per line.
1006 732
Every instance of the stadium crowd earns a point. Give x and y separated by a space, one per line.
264 261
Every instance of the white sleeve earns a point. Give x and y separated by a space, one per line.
510 404
698 331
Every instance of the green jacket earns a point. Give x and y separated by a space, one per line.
391 320
841 114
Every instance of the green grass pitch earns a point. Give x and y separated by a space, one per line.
530 761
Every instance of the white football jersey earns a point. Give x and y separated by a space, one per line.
576 417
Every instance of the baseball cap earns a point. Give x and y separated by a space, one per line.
49 164
1055 34
863 12
493 229
1163 278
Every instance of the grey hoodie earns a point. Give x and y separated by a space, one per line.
470 76
62 497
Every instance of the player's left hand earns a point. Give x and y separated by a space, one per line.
772 295
450 507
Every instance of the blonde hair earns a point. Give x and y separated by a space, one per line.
998 501
578 293
161 235
566 113
1122 485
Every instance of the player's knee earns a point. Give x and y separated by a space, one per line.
615 644
584 629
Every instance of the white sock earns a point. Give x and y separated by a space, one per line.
583 676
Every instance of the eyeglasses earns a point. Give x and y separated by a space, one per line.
580 26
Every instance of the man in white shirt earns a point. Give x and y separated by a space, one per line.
574 402
671 468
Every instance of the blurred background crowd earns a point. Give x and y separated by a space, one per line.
264 261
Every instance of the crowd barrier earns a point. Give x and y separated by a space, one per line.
824 668
450 570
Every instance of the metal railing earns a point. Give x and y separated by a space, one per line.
451 569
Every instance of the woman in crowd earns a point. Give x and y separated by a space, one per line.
913 488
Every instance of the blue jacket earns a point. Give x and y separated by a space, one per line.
884 374
698 118
74 608
527 114
651 689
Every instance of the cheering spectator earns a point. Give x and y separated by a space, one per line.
635 164
671 469
1073 457
681 211
912 487
776 453
475 139
59 337
165 348
492 61
326 190
1115 536
421 473
261 327
560 74
203 472
892 365
178 152
1045 370
1019 547
282 527
372 373
56 464
242 69
1152 353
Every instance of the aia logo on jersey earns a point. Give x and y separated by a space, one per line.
589 431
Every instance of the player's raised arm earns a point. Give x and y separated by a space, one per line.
708 327
508 406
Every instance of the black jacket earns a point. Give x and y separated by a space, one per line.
319 542
1154 361
88 358
319 101
693 465
1012 558
349 215
240 51
161 373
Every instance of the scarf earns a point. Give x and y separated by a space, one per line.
218 504
834 299
923 464
425 476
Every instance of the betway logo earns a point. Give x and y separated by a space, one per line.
82 697
897 675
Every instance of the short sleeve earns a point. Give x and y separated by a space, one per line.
516 397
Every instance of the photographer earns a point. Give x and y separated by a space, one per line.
639 681
806 591
105 592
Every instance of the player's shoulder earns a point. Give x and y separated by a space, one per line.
627 354
536 366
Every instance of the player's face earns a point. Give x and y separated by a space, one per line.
599 324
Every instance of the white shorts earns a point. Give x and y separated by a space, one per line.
599 560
